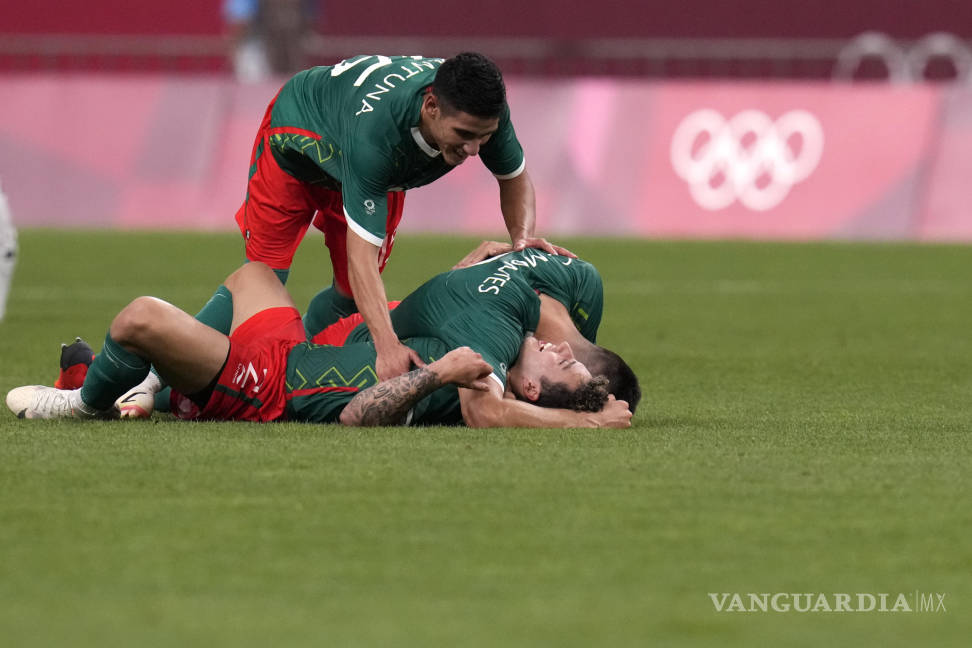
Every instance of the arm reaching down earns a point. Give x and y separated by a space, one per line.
388 402
519 206
394 358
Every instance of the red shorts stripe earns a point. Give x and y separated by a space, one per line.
319 390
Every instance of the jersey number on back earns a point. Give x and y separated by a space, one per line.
347 64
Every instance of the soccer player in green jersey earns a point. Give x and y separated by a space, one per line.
265 370
338 147
571 297
572 300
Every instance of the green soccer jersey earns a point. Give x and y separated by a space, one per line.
469 307
321 380
489 307
356 123
573 282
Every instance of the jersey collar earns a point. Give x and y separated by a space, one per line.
422 144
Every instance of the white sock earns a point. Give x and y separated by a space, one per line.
152 383
80 407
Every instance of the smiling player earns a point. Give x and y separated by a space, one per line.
339 146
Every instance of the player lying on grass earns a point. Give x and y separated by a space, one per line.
266 371
571 296
571 304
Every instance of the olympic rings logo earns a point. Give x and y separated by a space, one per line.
749 158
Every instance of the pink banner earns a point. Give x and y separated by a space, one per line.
608 157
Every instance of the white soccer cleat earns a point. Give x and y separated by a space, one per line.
40 402
138 403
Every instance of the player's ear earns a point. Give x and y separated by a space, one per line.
531 389
430 104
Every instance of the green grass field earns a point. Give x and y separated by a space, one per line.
805 427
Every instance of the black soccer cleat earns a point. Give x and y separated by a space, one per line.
75 360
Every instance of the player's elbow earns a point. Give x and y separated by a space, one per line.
350 416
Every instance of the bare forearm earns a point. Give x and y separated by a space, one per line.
492 410
388 402
516 413
368 289
518 203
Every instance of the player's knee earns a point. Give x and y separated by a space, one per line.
250 274
136 321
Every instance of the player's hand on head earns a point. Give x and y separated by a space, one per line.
465 368
542 244
485 250
615 414
395 360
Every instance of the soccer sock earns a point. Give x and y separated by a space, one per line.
218 311
327 307
81 409
162 399
113 372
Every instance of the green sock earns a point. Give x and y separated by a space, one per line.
218 311
327 307
113 372
162 399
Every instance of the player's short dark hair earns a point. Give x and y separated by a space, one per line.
622 381
589 397
470 83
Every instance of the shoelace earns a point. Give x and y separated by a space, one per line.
51 402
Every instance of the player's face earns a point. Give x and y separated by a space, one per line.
456 134
555 362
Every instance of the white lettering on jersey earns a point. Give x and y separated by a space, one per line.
346 65
498 279
380 63
410 70
381 90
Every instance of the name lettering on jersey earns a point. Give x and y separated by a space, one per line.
409 70
498 279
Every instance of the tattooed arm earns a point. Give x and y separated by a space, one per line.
388 402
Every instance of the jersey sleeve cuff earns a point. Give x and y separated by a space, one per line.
510 176
362 232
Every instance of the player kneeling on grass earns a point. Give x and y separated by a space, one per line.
266 371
